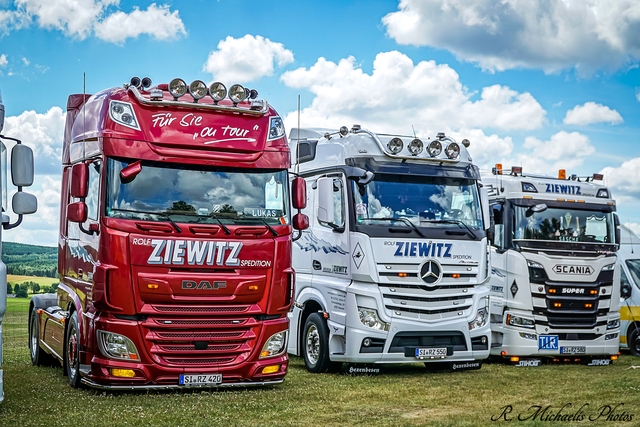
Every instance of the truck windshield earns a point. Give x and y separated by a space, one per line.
563 224
198 194
425 201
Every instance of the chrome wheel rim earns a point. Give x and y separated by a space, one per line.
34 338
313 344
72 351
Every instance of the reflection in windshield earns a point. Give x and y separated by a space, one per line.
425 201
207 195
634 268
567 225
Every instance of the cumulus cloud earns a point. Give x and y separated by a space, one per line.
83 18
3 60
157 22
623 180
399 96
246 59
563 149
551 35
590 113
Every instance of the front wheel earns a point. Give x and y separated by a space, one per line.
316 344
633 341
72 351
39 357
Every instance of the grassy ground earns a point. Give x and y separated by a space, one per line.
406 395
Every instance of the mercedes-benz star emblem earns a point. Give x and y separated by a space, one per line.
431 272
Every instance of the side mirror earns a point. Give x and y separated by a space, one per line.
625 290
325 200
129 173
21 165
24 203
300 221
77 212
541 207
299 193
79 181
616 224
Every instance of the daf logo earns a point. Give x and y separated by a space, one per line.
431 272
190 284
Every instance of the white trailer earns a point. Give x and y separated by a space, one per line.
554 292
22 203
394 265
629 257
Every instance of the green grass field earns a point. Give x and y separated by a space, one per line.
406 395
42 281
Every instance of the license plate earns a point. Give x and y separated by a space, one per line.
204 379
573 350
547 342
431 352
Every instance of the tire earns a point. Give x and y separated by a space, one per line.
72 351
39 357
315 344
633 340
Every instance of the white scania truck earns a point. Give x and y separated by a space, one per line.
554 292
22 203
394 265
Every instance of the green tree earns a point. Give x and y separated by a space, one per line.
9 288
35 287
21 291
54 288
181 206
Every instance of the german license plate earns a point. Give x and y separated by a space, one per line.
203 379
431 352
573 350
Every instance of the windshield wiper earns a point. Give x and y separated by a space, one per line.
271 229
159 214
452 221
403 220
214 216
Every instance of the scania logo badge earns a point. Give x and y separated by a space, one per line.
431 272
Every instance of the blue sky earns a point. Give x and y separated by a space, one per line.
545 85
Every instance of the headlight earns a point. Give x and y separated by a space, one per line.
177 88
217 91
434 149
198 89
395 145
369 318
117 346
453 150
237 94
613 324
415 147
534 264
275 345
122 113
276 128
480 319
609 267
520 321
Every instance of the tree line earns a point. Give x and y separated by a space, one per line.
30 260
22 289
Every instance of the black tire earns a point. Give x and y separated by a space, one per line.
39 357
315 344
72 351
633 340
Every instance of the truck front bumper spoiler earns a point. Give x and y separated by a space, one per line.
143 387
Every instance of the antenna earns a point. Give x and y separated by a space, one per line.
414 131
298 140
630 236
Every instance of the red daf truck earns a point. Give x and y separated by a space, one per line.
175 240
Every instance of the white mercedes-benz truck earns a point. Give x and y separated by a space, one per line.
22 204
554 292
394 265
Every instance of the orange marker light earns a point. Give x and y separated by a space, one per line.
402 274
562 174
152 286
557 304
253 288
455 275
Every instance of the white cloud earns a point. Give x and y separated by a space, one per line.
157 22
25 61
590 113
82 18
246 59
485 149
623 180
567 150
399 96
3 60
638 94
500 35
635 228
11 20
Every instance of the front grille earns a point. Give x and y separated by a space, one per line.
423 311
199 309
199 361
191 348
401 340
198 335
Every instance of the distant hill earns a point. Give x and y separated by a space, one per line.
30 260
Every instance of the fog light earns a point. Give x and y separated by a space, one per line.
123 373
610 337
177 88
237 94
514 359
217 91
366 342
434 149
198 90
453 150
270 369
395 145
415 147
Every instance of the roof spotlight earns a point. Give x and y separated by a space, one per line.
145 82
453 150
177 88
466 143
344 130
395 145
254 94
198 89
237 94
217 91
415 147
435 148
135 81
